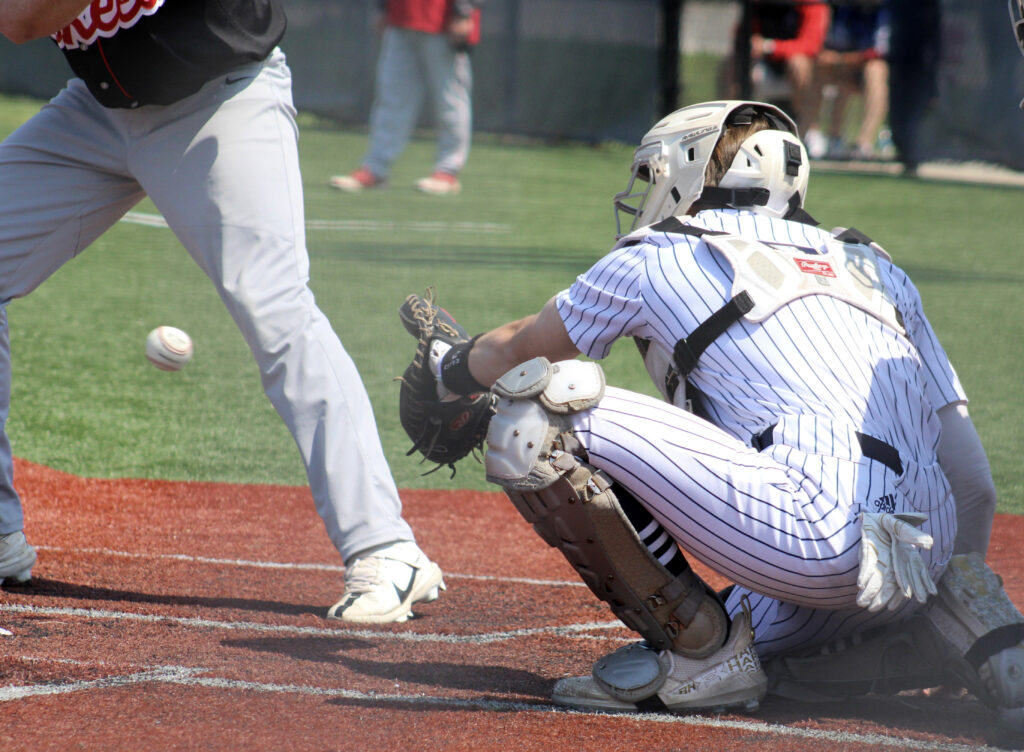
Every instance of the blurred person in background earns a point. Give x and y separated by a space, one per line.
424 53
853 61
785 41
1017 21
915 47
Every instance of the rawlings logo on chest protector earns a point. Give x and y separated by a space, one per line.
104 18
813 266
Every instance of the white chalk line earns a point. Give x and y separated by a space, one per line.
186 676
291 565
359 225
567 630
196 677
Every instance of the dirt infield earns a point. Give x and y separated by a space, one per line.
188 616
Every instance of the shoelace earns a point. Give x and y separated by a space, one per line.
366 574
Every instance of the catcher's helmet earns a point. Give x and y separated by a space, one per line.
769 173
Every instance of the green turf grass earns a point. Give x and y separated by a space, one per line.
86 401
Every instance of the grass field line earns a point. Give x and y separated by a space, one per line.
360 225
196 677
566 630
293 565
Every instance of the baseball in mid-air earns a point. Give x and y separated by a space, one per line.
168 348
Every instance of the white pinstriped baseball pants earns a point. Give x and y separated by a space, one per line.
222 167
782 524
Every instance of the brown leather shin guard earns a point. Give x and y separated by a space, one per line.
580 516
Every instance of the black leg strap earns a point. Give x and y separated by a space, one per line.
870 447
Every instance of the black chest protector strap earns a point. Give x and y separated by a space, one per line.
688 351
678 227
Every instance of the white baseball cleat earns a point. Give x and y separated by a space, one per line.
16 557
638 678
383 584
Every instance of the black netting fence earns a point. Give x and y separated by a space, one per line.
912 80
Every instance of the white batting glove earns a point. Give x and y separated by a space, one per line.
892 570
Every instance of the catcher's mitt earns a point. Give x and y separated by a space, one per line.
443 430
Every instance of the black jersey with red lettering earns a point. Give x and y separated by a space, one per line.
136 52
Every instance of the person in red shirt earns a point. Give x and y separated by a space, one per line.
424 54
785 40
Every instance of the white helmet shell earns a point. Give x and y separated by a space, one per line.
673 156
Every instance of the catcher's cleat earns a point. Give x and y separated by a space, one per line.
969 635
383 584
638 679
16 557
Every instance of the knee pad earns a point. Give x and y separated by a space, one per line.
534 455
529 439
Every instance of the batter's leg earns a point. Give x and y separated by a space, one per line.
229 186
62 182
11 517
398 98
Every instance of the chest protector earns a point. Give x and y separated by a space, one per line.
774 276
766 278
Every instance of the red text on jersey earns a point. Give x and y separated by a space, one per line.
104 18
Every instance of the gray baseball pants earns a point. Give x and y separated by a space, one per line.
222 167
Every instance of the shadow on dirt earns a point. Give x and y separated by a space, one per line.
958 718
108 598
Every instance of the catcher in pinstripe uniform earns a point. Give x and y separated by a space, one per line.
813 444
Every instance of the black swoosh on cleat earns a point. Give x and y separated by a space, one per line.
404 593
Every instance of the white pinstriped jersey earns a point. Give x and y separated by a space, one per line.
782 523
